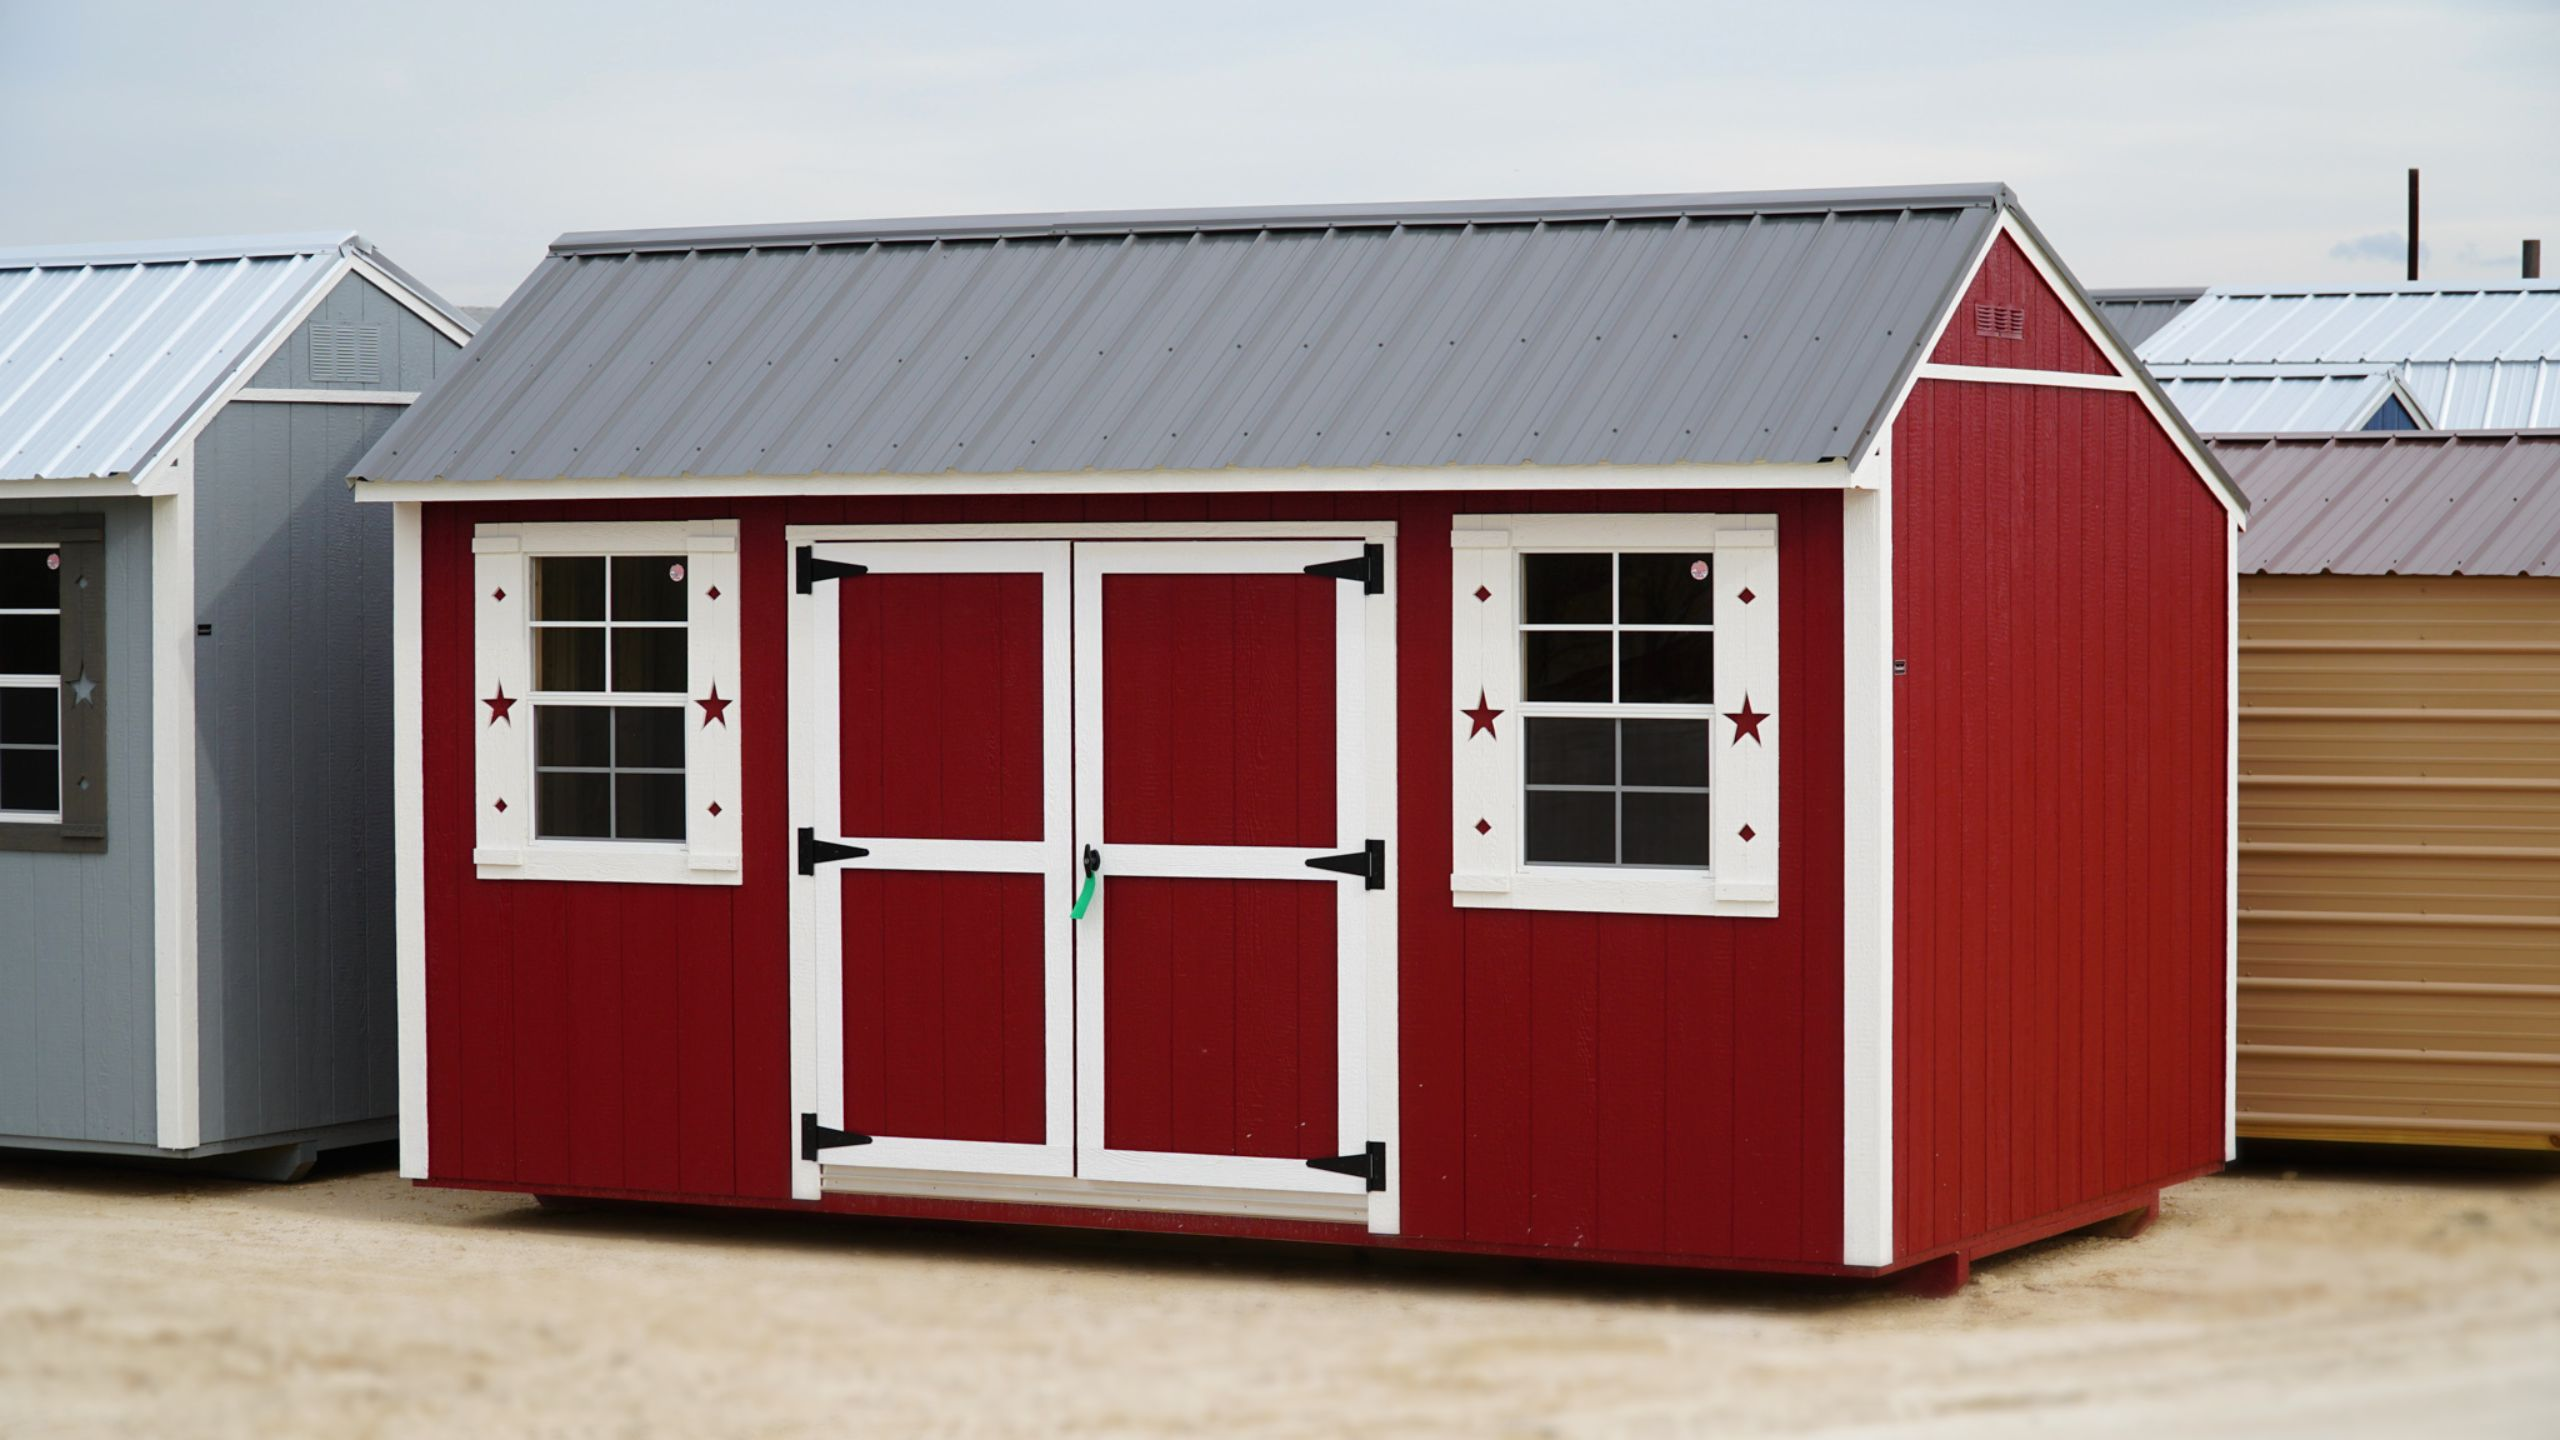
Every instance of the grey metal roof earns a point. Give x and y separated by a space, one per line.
2282 399
1628 330
2399 502
2137 314
107 350
2482 356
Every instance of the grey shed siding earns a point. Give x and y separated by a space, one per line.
1667 330
293 697
413 352
77 1043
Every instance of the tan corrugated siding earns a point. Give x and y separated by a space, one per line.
2400 857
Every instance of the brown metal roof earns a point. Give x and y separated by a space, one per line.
2477 502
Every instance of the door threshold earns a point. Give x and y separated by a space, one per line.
1095 1194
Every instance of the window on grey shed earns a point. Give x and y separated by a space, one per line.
52 696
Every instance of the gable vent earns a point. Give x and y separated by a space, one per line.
349 353
2000 322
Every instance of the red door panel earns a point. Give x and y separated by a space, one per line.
942 1005
1220 1028
1218 709
940 687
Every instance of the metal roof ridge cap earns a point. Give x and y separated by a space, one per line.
1311 217
153 252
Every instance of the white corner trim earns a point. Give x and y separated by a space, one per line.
1828 475
1866 933
176 1027
2231 844
2005 375
409 831
274 396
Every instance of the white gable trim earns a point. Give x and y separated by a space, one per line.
409 300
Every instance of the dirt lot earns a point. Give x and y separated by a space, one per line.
2321 1300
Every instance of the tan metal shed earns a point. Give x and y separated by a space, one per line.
2400 787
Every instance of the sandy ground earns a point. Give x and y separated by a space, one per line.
2321 1300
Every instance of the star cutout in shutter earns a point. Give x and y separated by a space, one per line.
83 688
1480 719
1746 722
714 708
499 704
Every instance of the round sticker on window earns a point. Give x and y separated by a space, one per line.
53 562
676 573
1697 569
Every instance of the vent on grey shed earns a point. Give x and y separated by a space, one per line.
350 353
2000 322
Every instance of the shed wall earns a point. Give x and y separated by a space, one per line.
293 777
1635 1085
2059 807
76 1008
2400 858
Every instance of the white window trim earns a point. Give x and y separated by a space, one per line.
1486 775
712 852
32 681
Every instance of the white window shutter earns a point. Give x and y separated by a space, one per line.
711 752
1750 718
1484 670
502 672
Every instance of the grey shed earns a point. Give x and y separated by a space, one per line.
195 868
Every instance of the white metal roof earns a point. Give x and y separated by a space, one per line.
2481 356
107 350
2283 399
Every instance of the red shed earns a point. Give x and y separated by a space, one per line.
1687 730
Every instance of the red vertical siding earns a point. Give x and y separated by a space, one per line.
2059 807
1629 1084
2051 338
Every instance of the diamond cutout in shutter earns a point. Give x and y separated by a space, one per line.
502 804
1482 594
1746 597
715 808
1484 827
1747 833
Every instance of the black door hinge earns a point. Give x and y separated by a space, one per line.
1369 1164
815 852
807 569
815 1137
1368 862
1370 569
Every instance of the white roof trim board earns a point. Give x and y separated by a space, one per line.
2284 399
2479 356
107 352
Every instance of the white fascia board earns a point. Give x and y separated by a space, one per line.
1826 475
89 488
176 1014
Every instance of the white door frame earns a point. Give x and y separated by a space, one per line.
817 746
1381 1209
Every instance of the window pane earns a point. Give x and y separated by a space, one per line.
29 780
30 716
30 645
572 735
568 587
1571 827
1665 590
1666 829
572 805
648 807
645 587
1564 589
27 581
568 659
1572 752
648 660
1673 667
1666 752
648 737
1564 665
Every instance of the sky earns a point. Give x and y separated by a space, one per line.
2163 143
